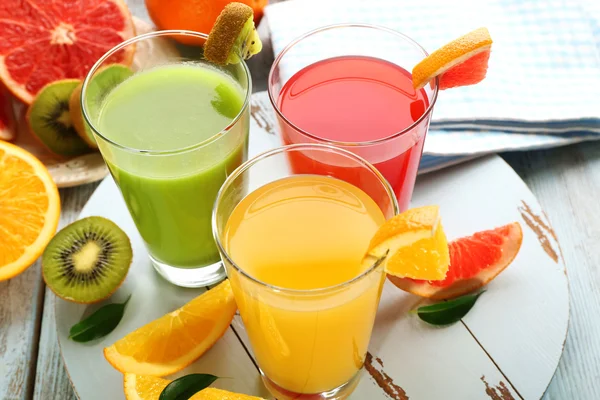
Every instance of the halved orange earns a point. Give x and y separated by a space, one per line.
474 261
463 61
29 209
174 341
415 245
141 387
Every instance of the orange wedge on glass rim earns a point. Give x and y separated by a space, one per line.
462 62
414 245
143 387
29 209
174 341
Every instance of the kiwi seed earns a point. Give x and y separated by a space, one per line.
87 260
50 121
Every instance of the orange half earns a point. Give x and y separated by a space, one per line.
461 62
174 341
29 209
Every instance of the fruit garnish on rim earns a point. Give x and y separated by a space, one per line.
413 243
462 62
182 335
474 261
29 209
233 36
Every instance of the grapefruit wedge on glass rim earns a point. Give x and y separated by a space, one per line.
462 62
42 41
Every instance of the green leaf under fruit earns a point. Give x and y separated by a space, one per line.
99 324
187 386
448 312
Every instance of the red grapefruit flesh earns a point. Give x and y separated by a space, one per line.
42 41
474 262
469 72
8 125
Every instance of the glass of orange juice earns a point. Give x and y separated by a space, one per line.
292 242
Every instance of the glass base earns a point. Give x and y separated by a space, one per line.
339 393
190 277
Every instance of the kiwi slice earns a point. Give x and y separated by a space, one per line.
87 260
50 122
233 36
103 81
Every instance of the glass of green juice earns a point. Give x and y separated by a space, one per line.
171 127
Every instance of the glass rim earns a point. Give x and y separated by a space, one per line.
151 35
284 149
350 25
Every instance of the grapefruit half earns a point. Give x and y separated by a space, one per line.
42 41
474 262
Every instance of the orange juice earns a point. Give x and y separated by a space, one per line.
306 235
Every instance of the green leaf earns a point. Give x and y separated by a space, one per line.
99 324
187 386
449 311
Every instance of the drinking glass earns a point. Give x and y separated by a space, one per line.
397 154
170 189
309 344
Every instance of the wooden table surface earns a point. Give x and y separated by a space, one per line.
566 182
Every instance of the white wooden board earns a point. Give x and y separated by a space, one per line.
507 347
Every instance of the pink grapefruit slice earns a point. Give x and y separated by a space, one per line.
474 261
42 41
464 61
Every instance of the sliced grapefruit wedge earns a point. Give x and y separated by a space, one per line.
462 62
474 261
44 41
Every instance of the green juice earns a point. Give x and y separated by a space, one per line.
170 192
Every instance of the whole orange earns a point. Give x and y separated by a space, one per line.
194 15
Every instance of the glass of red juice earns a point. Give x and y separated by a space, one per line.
350 86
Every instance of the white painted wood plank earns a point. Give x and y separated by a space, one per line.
20 313
567 183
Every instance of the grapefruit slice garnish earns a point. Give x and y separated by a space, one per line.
474 261
8 125
462 62
413 243
45 41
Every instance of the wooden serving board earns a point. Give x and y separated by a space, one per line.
507 347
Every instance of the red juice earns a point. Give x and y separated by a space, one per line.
358 99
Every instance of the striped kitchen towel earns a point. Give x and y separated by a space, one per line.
543 84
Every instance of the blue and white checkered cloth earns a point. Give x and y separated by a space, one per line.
543 84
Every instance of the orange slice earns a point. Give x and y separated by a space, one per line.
140 387
415 245
29 209
461 62
174 341
474 261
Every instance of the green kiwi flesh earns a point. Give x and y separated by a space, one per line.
103 81
87 260
50 121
